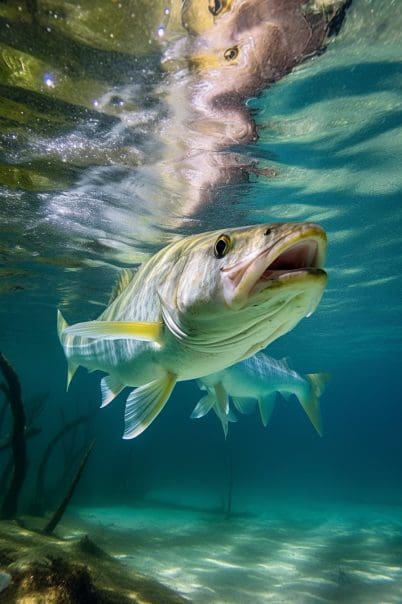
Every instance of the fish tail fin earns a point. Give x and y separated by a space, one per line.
71 367
311 403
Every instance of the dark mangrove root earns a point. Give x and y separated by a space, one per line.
6 474
30 431
55 519
12 389
3 408
39 499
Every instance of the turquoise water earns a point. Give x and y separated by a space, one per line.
313 519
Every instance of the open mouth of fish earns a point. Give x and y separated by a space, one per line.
293 257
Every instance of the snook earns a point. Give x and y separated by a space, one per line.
197 306
256 381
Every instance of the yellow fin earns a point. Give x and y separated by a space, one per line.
115 330
124 279
311 404
145 403
61 323
110 388
71 369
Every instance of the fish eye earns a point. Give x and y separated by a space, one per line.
215 7
222 246
231 53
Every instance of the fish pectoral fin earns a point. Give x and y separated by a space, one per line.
203 406
266 405
115 330
145 403
110 388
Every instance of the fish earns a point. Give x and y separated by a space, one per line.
199 305
257 380
240 47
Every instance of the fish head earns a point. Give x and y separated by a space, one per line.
199 16
246 286
253 43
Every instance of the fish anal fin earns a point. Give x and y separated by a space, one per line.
145 403
115 330
266 405
110 388
222 398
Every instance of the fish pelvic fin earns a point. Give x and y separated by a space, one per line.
145 403
203 406
110 388
115 330
71 367
311 404
266 405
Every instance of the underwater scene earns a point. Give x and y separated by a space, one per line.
200 301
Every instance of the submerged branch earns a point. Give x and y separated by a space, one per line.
55 519
30 431
40 480
12 390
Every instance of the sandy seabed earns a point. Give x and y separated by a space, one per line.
284 554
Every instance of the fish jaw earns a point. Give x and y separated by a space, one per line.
294 260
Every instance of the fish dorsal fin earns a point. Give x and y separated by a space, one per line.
287 362
125 277
110 388
118 330
145 403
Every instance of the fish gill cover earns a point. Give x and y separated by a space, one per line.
145 136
